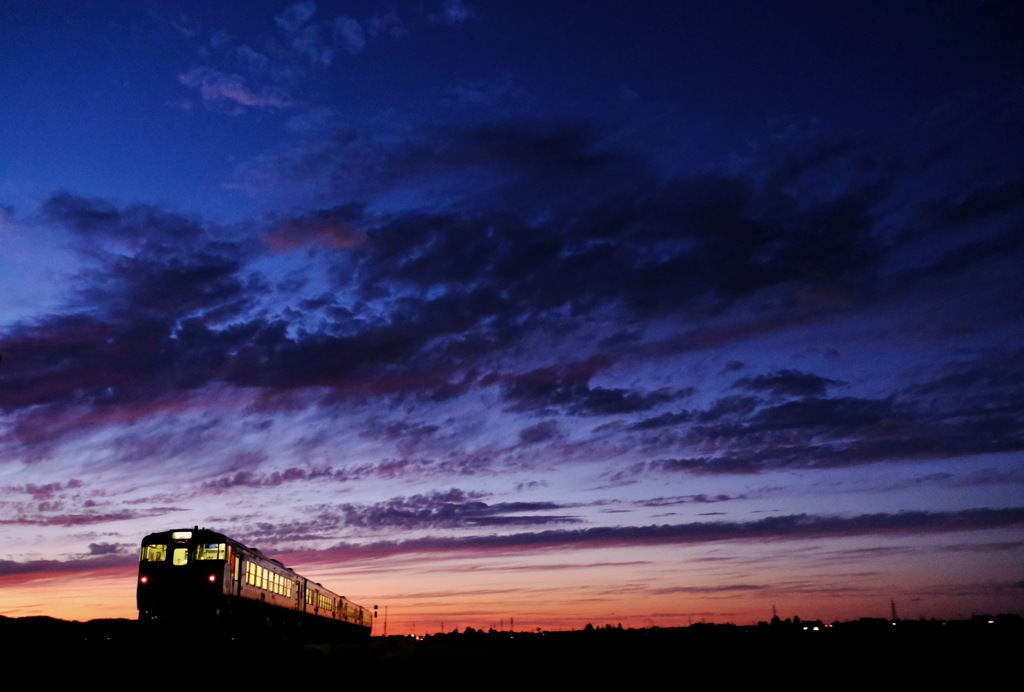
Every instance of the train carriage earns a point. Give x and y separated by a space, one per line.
204 580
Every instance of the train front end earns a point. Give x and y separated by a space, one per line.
183 576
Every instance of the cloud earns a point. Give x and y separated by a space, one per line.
304 36
787 383
716 589
47 491
539 432
76 519
425 509
446 509
842 415
294 474
450 509
387 23
452 12
985 200
106 561
255 62
106 549
971 409
616 234
335 228
567 389
230 92
487 92
664 420
349 34
700 498
384 470
609 265
143 322
296 16
781 528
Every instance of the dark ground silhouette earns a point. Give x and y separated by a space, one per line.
912 652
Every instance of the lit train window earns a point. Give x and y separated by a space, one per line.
180 556
210 551
154 553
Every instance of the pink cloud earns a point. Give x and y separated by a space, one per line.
301 233
219 88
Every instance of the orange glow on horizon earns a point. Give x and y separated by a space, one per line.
635 586
96 594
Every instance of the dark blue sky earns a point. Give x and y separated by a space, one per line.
479 306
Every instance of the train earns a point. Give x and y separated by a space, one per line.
211 584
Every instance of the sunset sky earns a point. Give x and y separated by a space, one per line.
562 312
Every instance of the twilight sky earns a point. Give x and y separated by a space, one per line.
648 312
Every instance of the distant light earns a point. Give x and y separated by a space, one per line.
212 578
143 579
181 535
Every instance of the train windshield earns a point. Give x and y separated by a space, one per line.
180 555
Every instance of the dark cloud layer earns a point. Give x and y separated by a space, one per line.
441 509
789 527
450 509
425 304
566 389
103 561
787 383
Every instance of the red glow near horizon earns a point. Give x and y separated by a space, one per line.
556 591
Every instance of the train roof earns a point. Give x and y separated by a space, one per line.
185 534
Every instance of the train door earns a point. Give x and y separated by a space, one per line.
236 574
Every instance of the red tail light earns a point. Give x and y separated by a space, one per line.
212 578
143 579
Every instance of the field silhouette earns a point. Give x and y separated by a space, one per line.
913 652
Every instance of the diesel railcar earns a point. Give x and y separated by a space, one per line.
201 579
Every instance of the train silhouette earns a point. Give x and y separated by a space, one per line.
211 584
